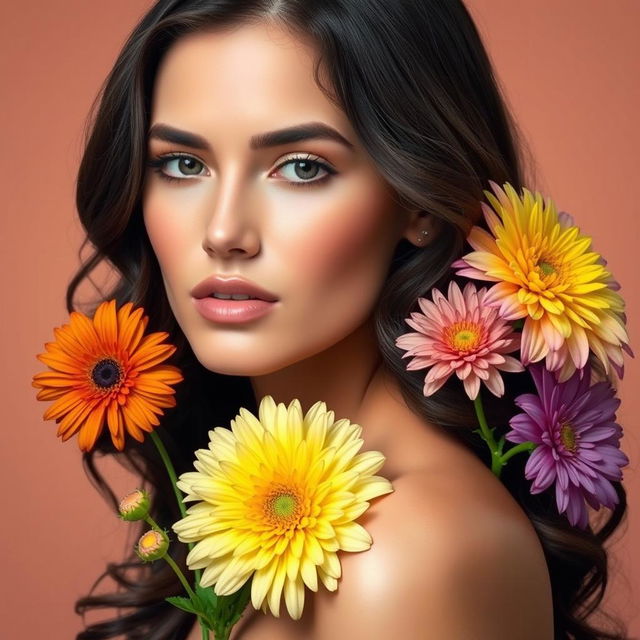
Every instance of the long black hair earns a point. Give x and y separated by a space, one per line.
416 83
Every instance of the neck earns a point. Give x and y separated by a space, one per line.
339 376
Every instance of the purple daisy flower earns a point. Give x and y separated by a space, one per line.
574 426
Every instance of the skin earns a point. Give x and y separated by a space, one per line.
323 250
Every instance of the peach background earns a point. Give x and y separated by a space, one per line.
571 72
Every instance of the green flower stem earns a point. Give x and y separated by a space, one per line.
487 436
523 446
223 633
172 475
154 525
180 575
498 459
169 559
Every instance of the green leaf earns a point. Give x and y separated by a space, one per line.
241 600
198 605
210 601
182 603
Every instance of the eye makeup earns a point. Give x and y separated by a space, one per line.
159 165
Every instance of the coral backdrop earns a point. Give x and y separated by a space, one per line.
570 72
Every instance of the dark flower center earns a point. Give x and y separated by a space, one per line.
106 373
568 437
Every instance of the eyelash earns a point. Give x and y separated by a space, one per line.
159 162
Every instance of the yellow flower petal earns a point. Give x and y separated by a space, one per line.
294 597
559 279
279 497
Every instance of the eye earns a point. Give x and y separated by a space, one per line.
180 167
177 166
304 168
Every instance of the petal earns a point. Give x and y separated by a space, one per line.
294 597
494 383
472 386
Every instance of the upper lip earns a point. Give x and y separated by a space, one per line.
216 284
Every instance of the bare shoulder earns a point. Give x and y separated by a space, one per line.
449 559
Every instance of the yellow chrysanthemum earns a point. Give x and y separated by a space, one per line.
547 274
106 370
278 498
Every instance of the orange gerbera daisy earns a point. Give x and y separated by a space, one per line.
106 368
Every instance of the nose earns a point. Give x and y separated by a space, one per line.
230 231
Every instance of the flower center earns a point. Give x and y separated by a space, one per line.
568 437
282 506
463 336
106 374
150 541
546 267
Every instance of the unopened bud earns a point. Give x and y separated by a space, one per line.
152 545
135 505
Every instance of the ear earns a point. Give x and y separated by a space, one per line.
421 229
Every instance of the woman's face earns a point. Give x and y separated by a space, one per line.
310 221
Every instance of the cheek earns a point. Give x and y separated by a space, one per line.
167 233
173 244
344 257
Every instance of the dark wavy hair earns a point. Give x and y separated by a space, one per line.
415 81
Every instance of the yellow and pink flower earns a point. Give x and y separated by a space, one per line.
460 334
546 273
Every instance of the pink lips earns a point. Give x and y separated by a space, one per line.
216 284
231 311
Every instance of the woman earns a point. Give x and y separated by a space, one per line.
388 115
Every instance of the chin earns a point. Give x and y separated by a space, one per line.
245 354
245 365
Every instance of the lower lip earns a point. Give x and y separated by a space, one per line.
232 311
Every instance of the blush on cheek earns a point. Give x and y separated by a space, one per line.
163 231
346 263
170 248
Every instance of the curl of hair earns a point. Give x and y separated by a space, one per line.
418 87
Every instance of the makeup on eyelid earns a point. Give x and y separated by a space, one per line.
159 162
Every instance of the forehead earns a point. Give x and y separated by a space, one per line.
259 75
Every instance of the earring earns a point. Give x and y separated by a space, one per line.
424 233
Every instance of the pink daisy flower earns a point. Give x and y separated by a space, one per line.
574 426
462 335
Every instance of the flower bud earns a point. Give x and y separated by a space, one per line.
135 505
152 545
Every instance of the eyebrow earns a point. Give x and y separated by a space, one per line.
297 133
